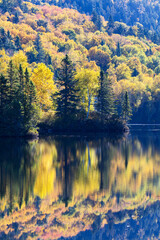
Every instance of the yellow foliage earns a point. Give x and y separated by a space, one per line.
46 174
20 58
4 61
88 82
123 72
43 80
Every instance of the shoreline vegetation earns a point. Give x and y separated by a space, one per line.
87 126
21 109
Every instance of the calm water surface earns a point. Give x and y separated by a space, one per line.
81 187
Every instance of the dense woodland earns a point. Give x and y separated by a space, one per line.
112 68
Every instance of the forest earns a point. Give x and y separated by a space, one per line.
112 67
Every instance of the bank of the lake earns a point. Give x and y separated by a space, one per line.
86 126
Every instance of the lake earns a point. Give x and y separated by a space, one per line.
81 187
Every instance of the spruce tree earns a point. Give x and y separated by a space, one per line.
30 105
105 106
18 44
39 49
21 77
110 22
118 50
4 97
4 92
19 111
14 108
126 108
67 97
11 74
16 18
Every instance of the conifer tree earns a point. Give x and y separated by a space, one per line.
30 105
11 74
16 18
26 75
39 49
21 77
67 97
118 50
96 18
105 106
4 97
110 22
126 108
18 43
4 94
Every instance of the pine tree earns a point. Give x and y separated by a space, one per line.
4 97
126 108
21 77
4 6
105 106
9 35
110 22
3 37
11 74
67 97
4 105
96 18
19 111
118 50
14 106
16 18
18 43
99 23
30 105
39 49
26 75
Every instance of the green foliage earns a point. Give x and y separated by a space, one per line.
105 105
38 46
67 97
19 111
126 108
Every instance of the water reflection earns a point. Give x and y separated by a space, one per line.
67 175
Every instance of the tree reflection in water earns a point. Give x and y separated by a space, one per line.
94 178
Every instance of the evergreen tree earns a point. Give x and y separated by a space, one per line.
4 6
14 106
118 50
3 37
21 76
126 108
99 23
96 18
67 97
4 97
39 49
16 18
18 43
30 105
26 75
110 22
9 35
3 92
11 75
19 110
105 106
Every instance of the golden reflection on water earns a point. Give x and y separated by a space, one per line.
68 168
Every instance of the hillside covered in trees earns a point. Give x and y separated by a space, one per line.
144 14
37 42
